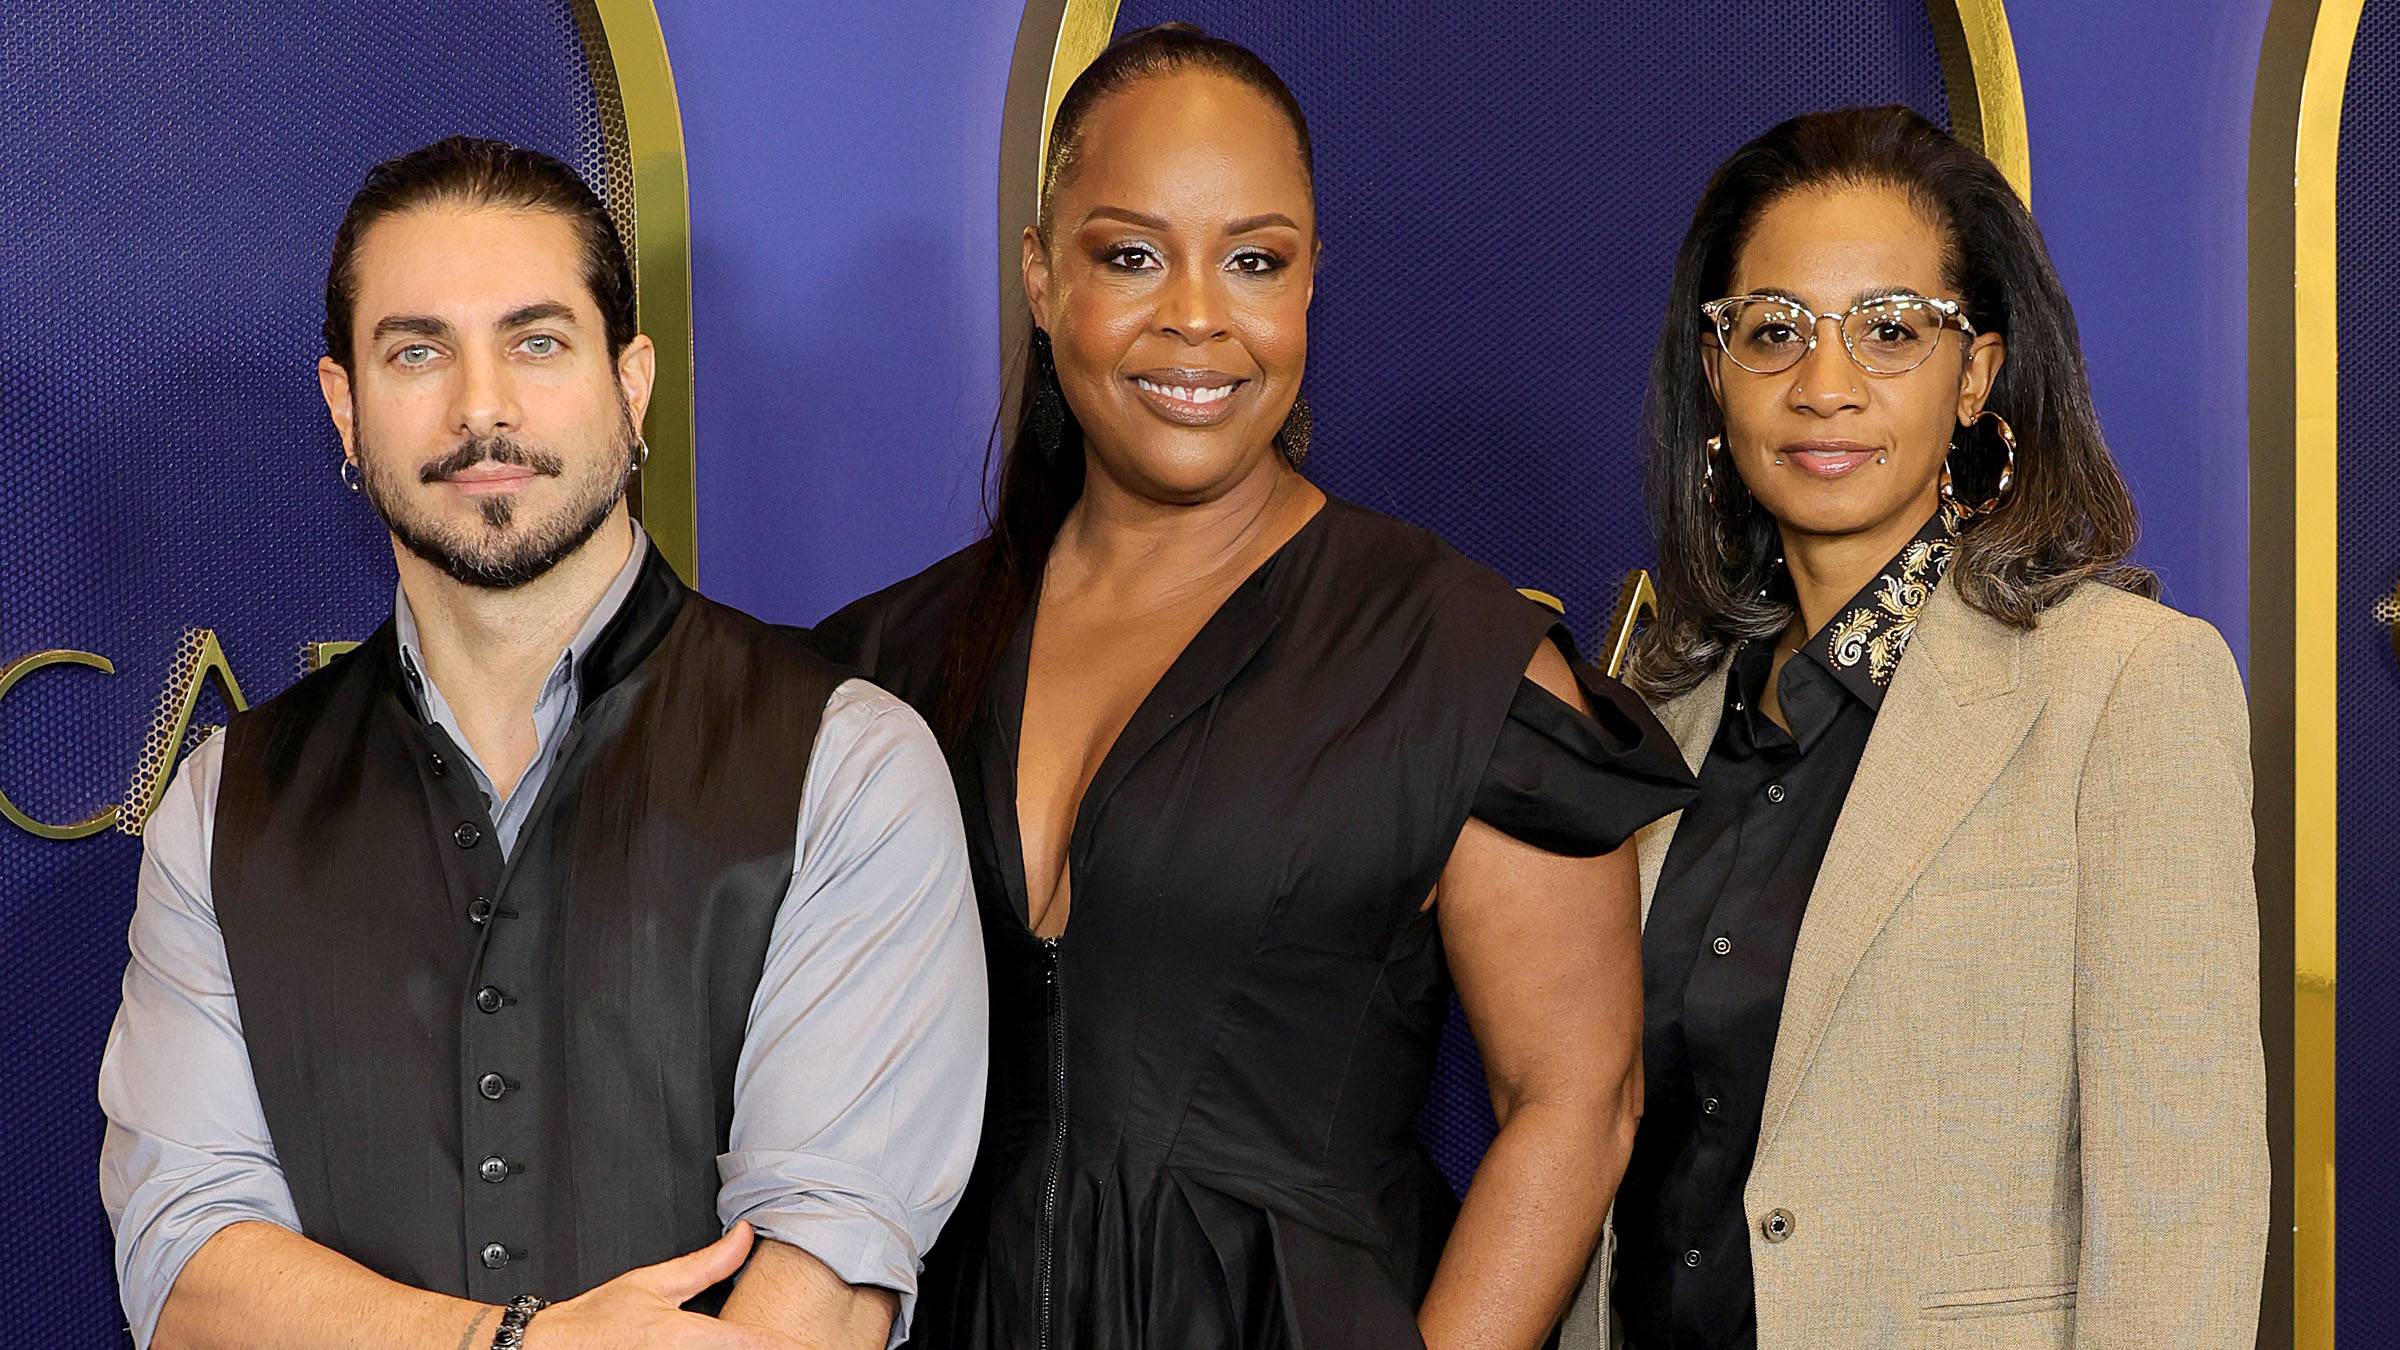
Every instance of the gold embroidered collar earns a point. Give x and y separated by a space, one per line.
1864 643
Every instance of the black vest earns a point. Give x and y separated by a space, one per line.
489 1079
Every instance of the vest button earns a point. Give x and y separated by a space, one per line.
438 764
493 1170
489 999
478 910
492 1086
495 1256
466 834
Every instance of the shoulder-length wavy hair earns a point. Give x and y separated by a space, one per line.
2067 519
1037 487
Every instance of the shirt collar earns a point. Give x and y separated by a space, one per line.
1863 643
570 660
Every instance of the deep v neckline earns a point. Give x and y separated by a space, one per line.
1215 653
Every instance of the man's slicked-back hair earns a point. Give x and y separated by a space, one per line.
472 172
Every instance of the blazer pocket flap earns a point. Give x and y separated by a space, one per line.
1993 1284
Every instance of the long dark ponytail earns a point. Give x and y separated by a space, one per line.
1041 472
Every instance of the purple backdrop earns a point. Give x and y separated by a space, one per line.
844 271
844 162
2140 118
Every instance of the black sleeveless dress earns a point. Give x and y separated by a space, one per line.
1200 1123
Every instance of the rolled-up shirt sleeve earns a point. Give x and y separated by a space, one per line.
186 1151
858 1097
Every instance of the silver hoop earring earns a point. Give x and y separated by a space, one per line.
641 456
349 473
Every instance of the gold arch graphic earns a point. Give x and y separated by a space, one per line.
1979 73
631 74
1987 97
1084 28
2296 133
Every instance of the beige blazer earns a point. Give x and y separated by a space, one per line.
2018 1097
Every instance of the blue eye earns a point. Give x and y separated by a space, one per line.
541 344
414 354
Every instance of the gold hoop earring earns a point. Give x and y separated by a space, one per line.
1709 450
2008 467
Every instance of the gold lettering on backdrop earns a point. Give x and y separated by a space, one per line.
314 655
197 656
9 675
1636 600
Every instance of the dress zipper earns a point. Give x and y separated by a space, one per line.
1047 1254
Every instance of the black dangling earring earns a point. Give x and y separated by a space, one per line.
1049 406
1292 437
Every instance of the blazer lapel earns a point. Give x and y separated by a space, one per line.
1955 714
1691 718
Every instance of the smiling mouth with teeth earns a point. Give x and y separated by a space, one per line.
1197 394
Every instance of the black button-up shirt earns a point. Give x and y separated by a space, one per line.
1717 952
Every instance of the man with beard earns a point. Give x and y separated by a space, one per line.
574 938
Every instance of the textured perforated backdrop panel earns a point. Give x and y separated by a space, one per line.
170 176
1501 188
2368 691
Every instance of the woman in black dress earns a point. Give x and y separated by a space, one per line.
1294 766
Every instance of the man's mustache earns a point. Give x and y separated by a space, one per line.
495 449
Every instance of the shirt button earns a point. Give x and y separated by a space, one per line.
1778 1225
1691 1259
492 1086
1737 705
1775 792
1723 946
478 910
489 999
495 1256
493 1170
1708 1106
438 764
466 834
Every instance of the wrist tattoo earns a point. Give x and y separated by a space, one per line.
466 1339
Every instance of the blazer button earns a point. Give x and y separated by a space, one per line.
492 1086
495 1256
493 1170
1778 1225
478 910
466 835
489 999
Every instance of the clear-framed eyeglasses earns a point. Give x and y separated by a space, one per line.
1888 335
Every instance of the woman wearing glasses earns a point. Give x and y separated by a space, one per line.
1951 1025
